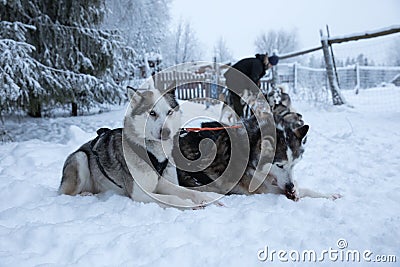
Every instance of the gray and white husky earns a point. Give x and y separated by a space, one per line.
134 160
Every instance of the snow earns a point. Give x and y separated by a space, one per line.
351 151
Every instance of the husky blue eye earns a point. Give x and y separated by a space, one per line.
153 113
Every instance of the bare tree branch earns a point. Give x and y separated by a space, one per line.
282 41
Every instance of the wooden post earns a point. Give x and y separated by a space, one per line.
333 58
337 98
357 78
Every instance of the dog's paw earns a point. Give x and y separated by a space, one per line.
199 206
204 204
293 195
206 198
335 196
86 194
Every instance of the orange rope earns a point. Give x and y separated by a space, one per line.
194 129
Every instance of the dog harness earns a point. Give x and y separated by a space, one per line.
101 132
139 150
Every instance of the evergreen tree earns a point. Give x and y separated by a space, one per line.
361 60
72 60
18 70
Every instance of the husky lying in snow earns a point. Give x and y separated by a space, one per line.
272 155
131 160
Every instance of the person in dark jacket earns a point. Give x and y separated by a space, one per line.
252 70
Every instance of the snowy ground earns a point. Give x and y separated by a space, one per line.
351 151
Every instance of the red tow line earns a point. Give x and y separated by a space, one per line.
194 129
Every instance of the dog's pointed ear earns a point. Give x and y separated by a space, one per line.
301 132
133 94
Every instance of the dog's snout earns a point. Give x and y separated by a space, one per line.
289 187
165 133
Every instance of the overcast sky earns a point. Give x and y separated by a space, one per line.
240 22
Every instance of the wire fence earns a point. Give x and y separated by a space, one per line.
311 84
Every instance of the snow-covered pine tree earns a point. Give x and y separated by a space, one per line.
74 59
18 70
